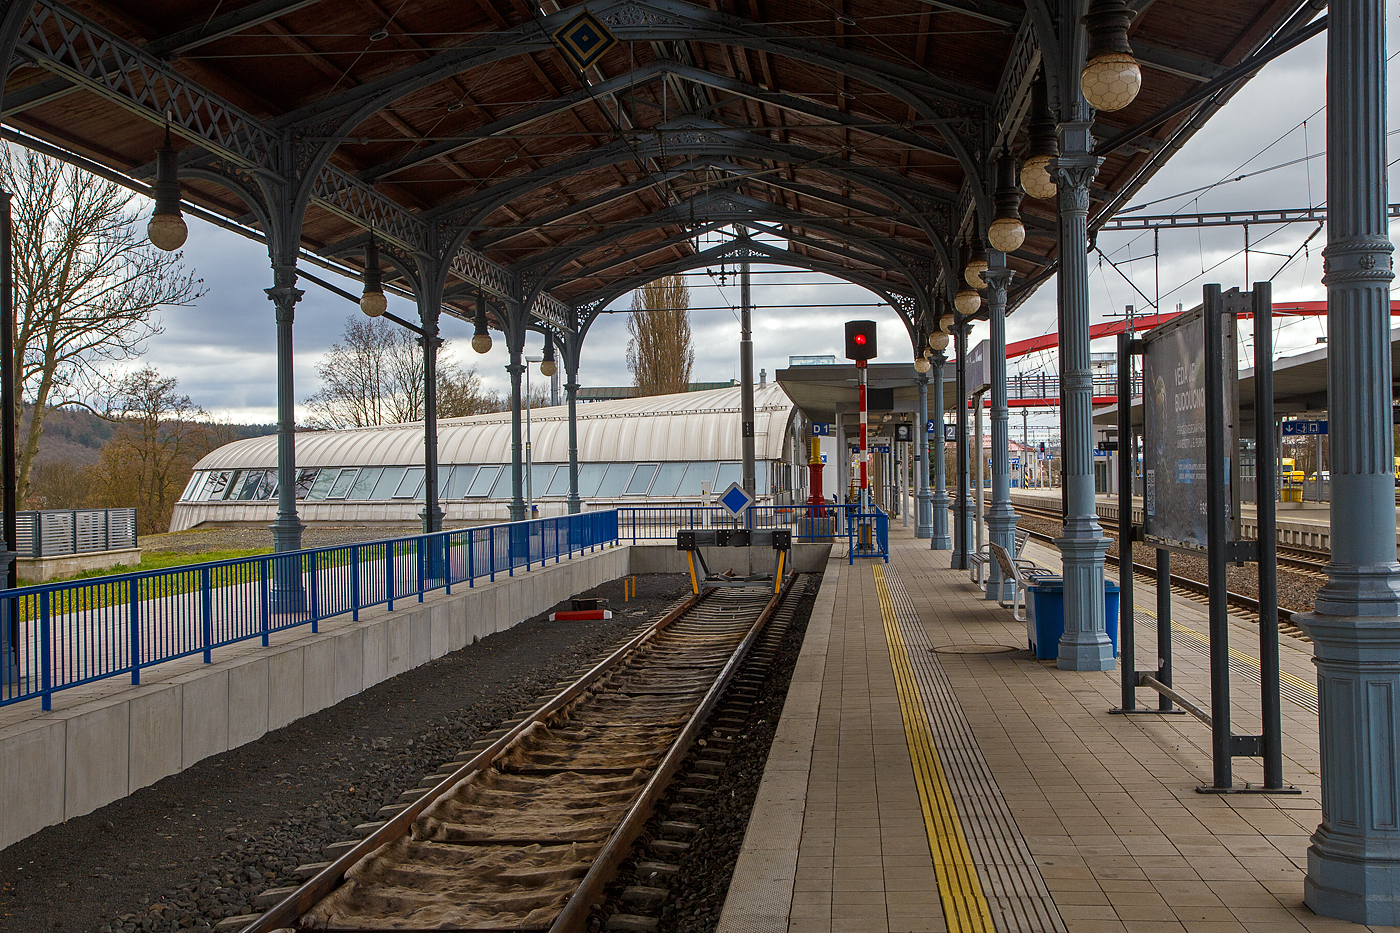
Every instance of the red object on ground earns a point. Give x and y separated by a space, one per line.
576 615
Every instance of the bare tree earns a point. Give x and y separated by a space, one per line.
87 285
659 353
147 463
375 375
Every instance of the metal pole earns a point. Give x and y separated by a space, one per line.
1085 645
963 531
1271 714
1126 659
746 377
1164 626
940 541
571 387
9 670
432 510
1001 516
288 594
864 449
1217 537
529 484
978 495
923 525
517 445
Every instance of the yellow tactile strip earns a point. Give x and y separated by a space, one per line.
988 879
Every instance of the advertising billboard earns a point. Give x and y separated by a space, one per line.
1174 430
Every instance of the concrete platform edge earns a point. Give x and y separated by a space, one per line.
68 762
761 891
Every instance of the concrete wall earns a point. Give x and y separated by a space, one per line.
65 763
39 569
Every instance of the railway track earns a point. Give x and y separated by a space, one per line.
524 830
1197 589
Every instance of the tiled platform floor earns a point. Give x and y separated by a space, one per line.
1106 804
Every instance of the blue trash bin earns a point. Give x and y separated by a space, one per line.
1045 616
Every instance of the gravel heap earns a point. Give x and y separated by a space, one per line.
197 846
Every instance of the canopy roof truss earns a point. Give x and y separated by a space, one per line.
462 139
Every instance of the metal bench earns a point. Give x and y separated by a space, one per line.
1022 572
980 563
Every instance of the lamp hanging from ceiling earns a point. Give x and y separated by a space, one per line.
1045 145
1111 77
1007 232
372 302
166 229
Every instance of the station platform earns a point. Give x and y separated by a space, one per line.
930 775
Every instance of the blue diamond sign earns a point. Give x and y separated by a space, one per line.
736 499
584 40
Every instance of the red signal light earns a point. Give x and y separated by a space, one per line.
860 339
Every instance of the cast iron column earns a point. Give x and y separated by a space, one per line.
428 314
1001 517
923 523
962 534
288 595
746 382
940 540
1354 859
571 387
516 368
1085 645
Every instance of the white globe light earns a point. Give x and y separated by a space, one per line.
967 301
1036 177
973 273
373 304
921 365
1111 81
481 343
945 324
548 368
938 342
1006 234
167 231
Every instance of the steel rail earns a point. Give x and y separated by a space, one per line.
286 913
619 845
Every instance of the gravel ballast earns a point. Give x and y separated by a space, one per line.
198 846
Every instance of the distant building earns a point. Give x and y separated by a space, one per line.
827 360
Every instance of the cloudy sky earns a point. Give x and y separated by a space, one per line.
223 350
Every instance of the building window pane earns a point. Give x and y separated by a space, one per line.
695 475
559 486
388 481
589 476
540 475
341 487
641 479
411 486
760 478
305 480
668 479
460 482
483 481
614 480
322 484
728 473
365 483
192 489
505 486
268 489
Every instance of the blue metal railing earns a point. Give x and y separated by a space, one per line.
868 535
59 635
809 523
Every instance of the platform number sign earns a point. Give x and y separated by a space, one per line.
736 499
821 428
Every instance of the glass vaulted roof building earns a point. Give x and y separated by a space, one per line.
662 449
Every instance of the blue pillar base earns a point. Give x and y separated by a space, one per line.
924 526
433 522
575 505
941 539
288 593
1001 529
1085 645
1354 859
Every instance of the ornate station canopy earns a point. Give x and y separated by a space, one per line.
530 156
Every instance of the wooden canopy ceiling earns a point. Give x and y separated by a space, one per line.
859 131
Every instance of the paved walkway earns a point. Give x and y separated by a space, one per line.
930 775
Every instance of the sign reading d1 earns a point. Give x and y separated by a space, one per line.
821 428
